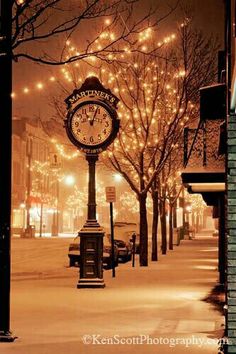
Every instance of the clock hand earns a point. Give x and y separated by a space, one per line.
91 121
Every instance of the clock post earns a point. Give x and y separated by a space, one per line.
91 237
92 159
91 125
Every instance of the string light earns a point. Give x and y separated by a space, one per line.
39 85
106 35
61 150
132 139
107 21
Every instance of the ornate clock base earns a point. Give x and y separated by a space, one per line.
90 283
7 336
91 254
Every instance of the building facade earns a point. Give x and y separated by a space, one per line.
231 175
40 187
219 102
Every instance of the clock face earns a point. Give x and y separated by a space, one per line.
91 124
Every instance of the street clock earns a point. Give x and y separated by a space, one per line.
92 123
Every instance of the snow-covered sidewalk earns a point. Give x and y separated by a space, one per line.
156 309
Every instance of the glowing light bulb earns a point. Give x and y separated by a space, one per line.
107 21
39 85
182 73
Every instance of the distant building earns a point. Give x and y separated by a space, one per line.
38 196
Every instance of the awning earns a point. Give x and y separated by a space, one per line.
210 184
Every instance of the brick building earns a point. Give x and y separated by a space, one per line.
218 106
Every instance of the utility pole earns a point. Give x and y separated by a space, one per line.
5 163
57 214
55 220
28 230
55 165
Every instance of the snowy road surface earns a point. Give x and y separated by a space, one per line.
143 310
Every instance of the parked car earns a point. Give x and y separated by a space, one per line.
74 252
124 231
124 250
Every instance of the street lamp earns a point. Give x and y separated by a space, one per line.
118 177
69 180
56 212
29 150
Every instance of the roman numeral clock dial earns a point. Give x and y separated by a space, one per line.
91 124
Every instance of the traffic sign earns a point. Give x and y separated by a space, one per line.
110 194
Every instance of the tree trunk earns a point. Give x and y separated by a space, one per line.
143 257
163 227
175 215
197 223
155 214
171 227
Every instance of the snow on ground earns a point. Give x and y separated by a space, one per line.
39 257
160 303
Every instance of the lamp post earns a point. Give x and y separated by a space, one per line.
5 162
41 220
69 180
28 231
55 220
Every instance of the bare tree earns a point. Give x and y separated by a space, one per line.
150 129
159 96
158 87
25 22
169 191
112 26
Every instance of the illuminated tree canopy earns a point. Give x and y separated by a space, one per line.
109 25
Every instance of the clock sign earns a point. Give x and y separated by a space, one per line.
91 123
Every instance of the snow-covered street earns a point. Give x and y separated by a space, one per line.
138 309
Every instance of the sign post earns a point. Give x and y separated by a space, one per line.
133 240
110 198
